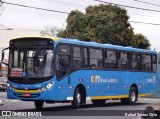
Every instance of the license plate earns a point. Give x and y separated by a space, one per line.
26 94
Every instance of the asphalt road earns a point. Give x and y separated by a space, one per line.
59 108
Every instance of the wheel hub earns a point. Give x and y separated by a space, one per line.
133 96
79 97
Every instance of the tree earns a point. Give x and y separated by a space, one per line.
103 24
140 41
50 31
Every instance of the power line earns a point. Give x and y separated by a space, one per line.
1 8
147 3
67 12
144 23
138 22
48 9
34 7
66 3
139 8
142 15
78 5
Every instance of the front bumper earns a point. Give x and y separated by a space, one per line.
31 95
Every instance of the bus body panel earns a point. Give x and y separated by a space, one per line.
97 83
63 89
113 82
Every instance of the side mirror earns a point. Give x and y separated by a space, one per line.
3 54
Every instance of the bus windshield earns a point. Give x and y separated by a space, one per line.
31 63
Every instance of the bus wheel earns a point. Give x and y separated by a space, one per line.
99 102
132 97
38 104
77 99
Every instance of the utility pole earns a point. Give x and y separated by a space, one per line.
1 7
0 4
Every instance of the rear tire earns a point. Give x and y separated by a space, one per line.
132 97
99 102
77 99
38 104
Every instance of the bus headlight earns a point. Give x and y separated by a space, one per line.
8 85
11 88
47 87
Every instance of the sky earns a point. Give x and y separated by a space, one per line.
27 18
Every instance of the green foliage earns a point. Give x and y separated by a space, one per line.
103 24
140 41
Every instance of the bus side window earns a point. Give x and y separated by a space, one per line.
84 58
96 59
124 62
146 62
77 59
110 59
154 64
136 64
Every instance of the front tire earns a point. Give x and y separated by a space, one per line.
38 104
77 99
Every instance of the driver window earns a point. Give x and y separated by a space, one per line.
62 60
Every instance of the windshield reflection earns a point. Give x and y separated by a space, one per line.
31 63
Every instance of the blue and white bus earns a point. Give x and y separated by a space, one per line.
54 70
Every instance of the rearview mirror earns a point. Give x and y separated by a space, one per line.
3 54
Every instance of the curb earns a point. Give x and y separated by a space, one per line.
149 99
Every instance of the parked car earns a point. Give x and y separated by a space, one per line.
3 83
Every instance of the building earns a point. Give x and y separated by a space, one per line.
6 34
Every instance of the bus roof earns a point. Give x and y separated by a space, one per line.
47 37
109 46
94 44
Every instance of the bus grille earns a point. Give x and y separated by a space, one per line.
26 93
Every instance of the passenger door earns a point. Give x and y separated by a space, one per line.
62 69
